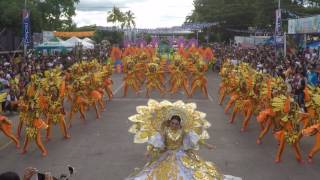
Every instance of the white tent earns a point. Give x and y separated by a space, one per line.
87 45
76 41
88 40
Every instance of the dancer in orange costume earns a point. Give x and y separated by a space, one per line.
228 81
107 81
233 89
77 89
172 68
183 53
55 114
51 99
68 84
23 111
34 125
311 121
161 69
95 92
130 80
115 53
313 131
250 100
79 102
153 79
32 88
245 102
311 105
267 117
200 80
238 92
141 66
96 96
237 99
283 138
290 133
6 128
179 79
116 58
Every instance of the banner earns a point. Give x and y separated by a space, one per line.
278 22
26 27
304 25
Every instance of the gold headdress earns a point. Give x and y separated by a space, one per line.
150 119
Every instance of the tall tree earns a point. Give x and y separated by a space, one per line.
116 16
241 14
45 14
129 20
57 14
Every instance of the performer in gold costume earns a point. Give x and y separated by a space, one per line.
173 132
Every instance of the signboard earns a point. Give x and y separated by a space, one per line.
304 25
278 22
26 27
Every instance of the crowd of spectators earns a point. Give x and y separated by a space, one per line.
298 69
15 69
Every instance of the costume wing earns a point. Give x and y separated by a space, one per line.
151 119
279 103
3 97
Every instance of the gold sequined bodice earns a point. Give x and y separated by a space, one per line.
173 139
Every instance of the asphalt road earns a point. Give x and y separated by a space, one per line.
104 150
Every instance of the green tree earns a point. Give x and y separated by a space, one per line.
241 14
129 20
45 14
116 16
114 37
57 14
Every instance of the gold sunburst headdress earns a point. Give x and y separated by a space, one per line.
150 119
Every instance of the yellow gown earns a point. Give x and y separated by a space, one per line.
175 159
172 151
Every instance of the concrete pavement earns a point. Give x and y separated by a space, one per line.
104 150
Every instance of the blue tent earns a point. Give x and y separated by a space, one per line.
52 46
271 41
314 45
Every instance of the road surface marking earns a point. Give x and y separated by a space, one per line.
5 145
210 98
118 89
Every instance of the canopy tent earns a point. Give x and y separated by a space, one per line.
88 40
74 34
56 39
76 41
314 45
54 46
87 45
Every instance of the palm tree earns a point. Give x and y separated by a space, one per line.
129 20
115 16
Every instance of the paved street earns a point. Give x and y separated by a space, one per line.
104 150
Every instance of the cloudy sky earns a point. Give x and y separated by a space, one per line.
148 13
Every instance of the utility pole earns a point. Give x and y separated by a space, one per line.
24 41
277 27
